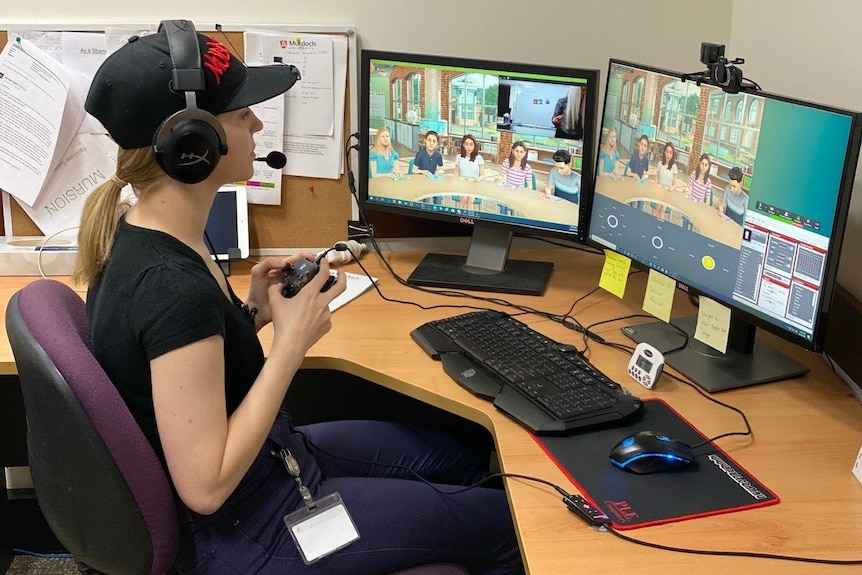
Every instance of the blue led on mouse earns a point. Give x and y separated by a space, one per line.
651 452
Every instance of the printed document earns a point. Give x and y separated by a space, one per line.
34 122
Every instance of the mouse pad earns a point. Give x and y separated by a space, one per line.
716 484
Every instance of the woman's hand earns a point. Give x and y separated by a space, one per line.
304 318
265 274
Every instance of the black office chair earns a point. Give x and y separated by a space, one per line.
103 491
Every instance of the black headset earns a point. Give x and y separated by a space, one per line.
190 143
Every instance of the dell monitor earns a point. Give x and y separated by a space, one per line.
739 197
505 147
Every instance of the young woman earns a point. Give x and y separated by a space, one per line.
608 154
698 182
382 156
182 350
515 171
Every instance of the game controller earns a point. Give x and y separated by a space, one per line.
297 275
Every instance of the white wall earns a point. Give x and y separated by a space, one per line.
808 50
577 32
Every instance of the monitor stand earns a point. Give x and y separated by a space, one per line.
485 268
748 361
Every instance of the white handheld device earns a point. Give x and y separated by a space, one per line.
646 365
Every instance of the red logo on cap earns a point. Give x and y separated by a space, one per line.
216 59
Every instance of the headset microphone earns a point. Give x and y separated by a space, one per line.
275 160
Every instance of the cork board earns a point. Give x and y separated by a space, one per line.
313 212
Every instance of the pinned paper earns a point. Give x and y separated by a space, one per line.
713 324
615 273
658 299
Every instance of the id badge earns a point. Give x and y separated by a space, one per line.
322 529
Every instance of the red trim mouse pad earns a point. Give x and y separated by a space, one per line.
716 483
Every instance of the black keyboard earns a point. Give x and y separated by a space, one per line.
547 386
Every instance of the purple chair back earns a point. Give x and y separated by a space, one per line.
98 481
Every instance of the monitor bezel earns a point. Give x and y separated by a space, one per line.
842 209
592 75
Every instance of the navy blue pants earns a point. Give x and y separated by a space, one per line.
402 522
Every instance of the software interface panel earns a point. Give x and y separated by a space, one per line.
733 194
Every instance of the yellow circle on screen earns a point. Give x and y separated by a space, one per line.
708 262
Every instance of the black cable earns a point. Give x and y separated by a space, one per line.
563 319
751 554
351 181
210 246
449 293
748 431
587 334
754 84
606 524
627 349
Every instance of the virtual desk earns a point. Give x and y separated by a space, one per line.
527 203
807 431
704 217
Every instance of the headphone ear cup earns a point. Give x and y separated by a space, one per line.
189 145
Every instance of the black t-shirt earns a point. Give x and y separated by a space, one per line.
156 295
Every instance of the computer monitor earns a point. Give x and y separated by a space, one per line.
747 208
227 224
501 146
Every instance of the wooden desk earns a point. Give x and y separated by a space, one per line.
702 215
807 432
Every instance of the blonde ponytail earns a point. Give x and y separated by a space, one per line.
104 208
99 221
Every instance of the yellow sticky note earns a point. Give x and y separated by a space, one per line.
713 324
658 299
615 273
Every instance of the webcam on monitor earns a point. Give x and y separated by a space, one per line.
720 71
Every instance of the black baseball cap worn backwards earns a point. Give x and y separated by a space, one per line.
131 92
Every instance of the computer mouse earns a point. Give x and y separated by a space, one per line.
651 452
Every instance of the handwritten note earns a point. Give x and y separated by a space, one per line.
309 103
313 130
615 273
658 298
713 324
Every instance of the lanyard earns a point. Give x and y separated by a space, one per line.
292 466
